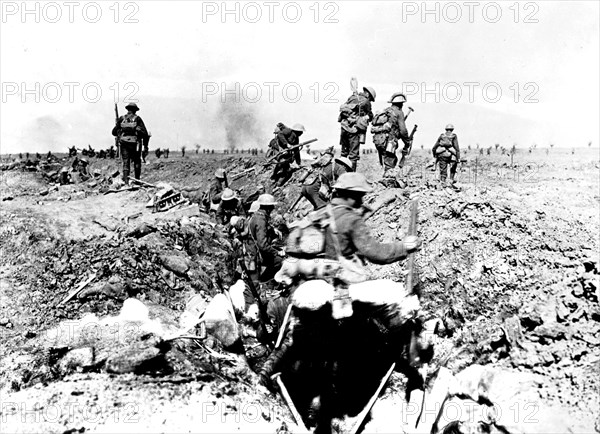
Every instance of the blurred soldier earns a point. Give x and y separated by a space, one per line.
388 128
447 152
286 163
166 152
353 241
354 118
80 166
133 136
218 184
111 152
317 189
229 206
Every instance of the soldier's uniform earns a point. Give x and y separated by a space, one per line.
230 206
353 240
388 129
285 139
447 152
354 119
131 131
317 189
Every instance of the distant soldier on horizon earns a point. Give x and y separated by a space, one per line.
447 152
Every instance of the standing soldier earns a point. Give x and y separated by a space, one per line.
133 136
446 151
285 139
230 206
261 238
354 118
318 189
388 128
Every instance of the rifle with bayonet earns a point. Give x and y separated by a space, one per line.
288 151
265 321
410 137
117 144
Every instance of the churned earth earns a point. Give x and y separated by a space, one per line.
509 266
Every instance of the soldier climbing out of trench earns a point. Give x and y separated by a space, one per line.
317 187
355 115
339 281
230 206
289 161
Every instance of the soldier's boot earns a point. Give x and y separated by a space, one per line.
354 165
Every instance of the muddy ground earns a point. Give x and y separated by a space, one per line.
509 264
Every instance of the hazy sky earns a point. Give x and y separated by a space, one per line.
180 57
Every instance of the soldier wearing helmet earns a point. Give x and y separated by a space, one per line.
354 118
262 236
318 189
447 152
285 138
229 206
133 137
388 129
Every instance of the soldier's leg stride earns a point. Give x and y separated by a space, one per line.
453 167
126 154
443 165
137 164
344 143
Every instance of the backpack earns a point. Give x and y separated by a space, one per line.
128 128
307 236
446 141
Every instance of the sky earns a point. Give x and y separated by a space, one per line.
220 74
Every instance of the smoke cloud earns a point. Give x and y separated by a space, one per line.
242 124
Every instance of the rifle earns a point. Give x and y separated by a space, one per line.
117 136
411 136
262 309
288 150
243 173
412 230
296 202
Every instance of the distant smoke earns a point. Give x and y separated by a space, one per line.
242 124
44 132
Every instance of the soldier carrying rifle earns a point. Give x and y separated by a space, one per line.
447 152
132 136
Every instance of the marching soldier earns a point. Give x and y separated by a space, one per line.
133 136
447 152
354 118
388 128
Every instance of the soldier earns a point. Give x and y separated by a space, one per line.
354 118
229 206
132 133
218 184
262 236
318 189
446 151
285 139
351 240
388 127
166 152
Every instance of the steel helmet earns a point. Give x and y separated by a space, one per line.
84 160
397 98
132 106
254 206
220 173
299 127
371 91
228 194
345 161
266 200
450 127
353 181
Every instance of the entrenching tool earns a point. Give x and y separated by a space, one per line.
276 378
410 110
